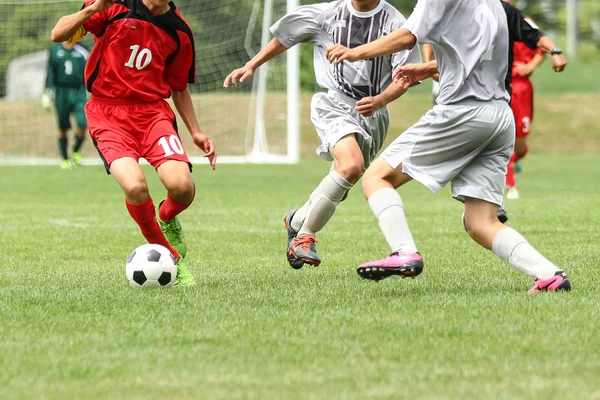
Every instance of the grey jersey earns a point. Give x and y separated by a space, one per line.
470 41
326 24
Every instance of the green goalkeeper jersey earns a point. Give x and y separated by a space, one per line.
66 67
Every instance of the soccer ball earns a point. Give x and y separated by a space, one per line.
151 265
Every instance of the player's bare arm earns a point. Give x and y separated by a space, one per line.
273 49
559 62
527 69
412 73
401 39
368 105
68 25
183 102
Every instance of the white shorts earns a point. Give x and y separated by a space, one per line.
468 144
334 116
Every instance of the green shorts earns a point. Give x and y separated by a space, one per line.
69 101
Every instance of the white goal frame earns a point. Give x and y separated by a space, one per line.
259 152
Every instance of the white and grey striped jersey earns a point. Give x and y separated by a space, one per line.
470 42
326 24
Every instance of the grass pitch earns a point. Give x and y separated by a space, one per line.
71 327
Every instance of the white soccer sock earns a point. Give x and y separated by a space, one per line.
323 202
389 210
300 215
511 246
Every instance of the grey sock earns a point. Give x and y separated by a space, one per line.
300 215
389 211
323 202
511 246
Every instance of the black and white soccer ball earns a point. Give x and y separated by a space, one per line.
151 265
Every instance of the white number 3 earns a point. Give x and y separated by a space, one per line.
142 60
171 146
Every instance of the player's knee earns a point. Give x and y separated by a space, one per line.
479 228
182 190
474 228
370 183
136 190
351 170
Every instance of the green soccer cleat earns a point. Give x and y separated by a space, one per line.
184 276
173 233
66 164
76 157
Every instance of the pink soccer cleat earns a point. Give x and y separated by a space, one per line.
404 265
560 281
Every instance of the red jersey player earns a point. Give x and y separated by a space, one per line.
143 53
525 62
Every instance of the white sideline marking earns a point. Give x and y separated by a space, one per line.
68 224
252 158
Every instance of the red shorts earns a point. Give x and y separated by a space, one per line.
522 106
136 130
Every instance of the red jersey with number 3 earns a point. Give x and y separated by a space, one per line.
139 56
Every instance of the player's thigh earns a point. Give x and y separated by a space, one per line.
381 174
129 175
176 178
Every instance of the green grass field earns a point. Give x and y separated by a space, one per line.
72 328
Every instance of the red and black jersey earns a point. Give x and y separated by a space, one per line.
523 55
519 30
139 56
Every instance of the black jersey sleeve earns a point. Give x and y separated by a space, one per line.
519 29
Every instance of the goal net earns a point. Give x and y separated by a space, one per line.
258 122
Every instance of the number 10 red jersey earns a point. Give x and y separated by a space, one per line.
138 56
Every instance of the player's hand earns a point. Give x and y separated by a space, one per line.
207 146
368 105
523 69
412 73
46 100
241 73
338 53
101 5
559 62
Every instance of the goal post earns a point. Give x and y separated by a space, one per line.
256 123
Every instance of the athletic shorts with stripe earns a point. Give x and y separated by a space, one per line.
334 116
136 130
468 144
